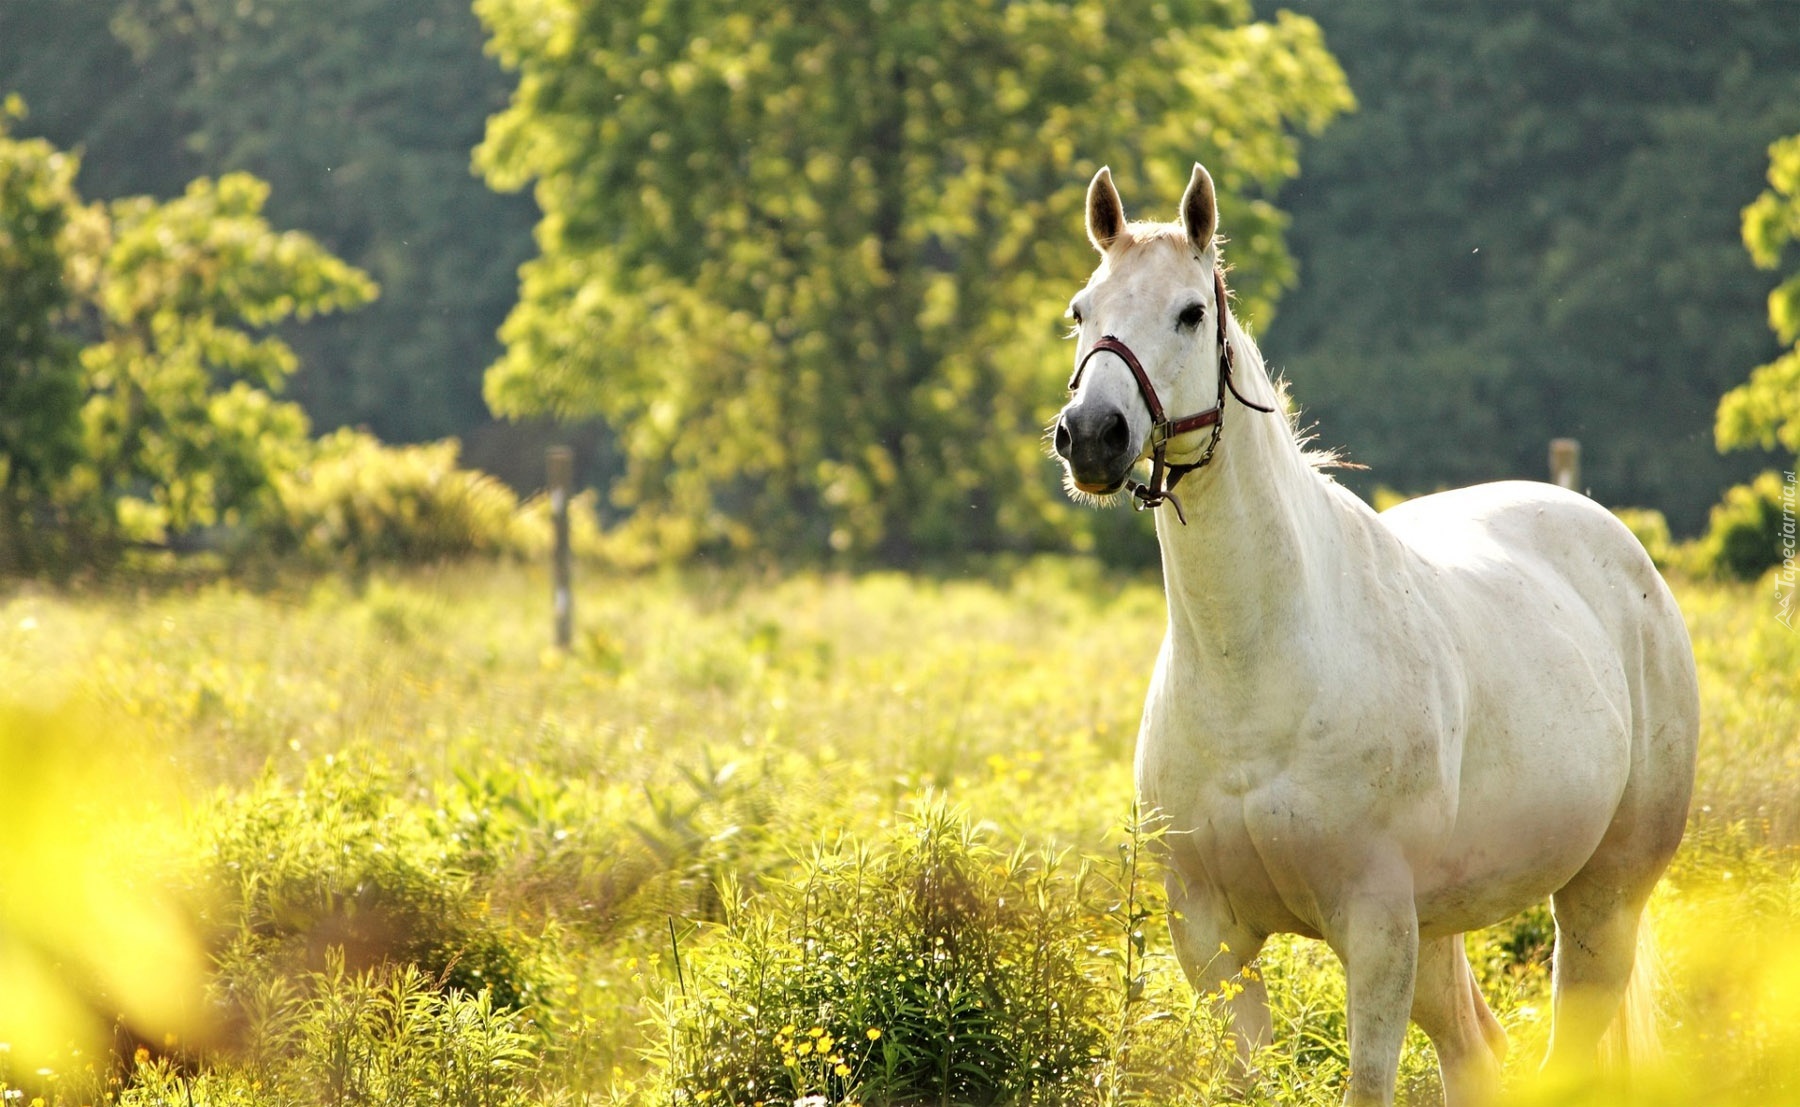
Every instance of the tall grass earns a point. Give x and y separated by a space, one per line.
745 809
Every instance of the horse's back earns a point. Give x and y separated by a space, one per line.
1517 557
1545 547
1518 521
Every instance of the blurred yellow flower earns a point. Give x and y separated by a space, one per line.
86 809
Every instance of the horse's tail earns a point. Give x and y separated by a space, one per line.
1633 1037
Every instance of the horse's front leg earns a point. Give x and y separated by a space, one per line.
1214 950
1376 935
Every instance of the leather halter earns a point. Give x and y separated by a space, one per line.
1163 476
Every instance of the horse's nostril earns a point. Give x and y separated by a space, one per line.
1115 433
1062 441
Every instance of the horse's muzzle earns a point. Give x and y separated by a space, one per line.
1094 441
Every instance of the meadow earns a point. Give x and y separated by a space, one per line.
755 839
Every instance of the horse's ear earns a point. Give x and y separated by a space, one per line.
1200 210
1105 212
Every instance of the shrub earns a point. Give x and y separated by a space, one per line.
386 1036
928 968
1744 534
362 502
341 868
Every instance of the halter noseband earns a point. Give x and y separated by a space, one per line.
1163 476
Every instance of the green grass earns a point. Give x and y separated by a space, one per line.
420 850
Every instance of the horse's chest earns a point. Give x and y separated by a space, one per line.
1269 821
1231 832
1225 847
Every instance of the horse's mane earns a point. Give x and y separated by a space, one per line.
1244 350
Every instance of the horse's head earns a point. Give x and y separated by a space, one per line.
1156 300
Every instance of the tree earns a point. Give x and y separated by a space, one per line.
360 114
1765 409
91 97
40 378
810 260
139 364
1752 526
181 427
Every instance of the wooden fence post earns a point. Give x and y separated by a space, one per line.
1565 463
560 461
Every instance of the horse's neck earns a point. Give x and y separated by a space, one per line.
1243 578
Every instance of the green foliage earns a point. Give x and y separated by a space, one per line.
40 379
142 372
180 426
355 501
1651 529
1762 411
391 1036
345 869
1744 536
808 260
1563 248
1771 222
1766 409
930 967
360 114
87 94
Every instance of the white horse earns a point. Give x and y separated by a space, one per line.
1379 730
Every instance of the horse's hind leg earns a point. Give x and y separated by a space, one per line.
1598 913
1449 1007
1596 948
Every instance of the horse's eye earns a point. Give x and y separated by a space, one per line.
1191 315
1075 314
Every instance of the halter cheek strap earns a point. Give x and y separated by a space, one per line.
1163 476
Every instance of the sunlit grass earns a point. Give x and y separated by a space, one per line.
351 755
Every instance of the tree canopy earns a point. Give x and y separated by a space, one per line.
1765 409
810 260
181 426
139 365
40 378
